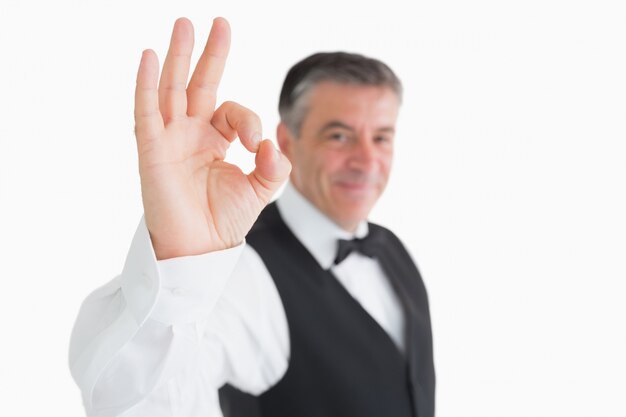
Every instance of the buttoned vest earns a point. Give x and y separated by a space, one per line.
342 363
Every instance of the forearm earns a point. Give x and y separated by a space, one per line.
144 328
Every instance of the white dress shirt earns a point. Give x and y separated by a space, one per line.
161 339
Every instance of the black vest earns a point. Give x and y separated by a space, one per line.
342 363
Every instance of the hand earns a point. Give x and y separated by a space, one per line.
195 202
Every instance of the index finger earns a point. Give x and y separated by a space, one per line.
202 89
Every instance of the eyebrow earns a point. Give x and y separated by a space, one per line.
334 124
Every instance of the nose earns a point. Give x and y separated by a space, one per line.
364 153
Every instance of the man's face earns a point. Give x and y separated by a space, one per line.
342 158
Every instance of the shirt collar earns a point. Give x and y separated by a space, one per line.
313 229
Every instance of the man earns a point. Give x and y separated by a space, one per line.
303 329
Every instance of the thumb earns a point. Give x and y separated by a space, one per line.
271 171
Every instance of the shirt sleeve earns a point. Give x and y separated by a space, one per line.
162 337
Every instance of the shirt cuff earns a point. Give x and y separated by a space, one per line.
178 290
191 285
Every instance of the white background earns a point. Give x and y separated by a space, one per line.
508 188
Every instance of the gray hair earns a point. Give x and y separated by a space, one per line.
340 67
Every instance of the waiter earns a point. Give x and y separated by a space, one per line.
301 307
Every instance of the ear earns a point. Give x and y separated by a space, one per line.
284 139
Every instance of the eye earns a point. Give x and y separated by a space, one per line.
383 139
338 136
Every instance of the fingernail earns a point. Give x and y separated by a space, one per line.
256 139
276 150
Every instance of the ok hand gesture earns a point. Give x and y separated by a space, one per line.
195 202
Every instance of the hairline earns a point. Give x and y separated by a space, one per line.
300 101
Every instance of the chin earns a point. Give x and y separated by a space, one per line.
350 216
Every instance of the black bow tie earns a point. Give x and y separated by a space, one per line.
368 246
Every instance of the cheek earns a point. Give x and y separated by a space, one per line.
385 169
336 162
301 164
384 165
325 165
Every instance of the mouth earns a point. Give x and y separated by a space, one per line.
355 186
355 190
